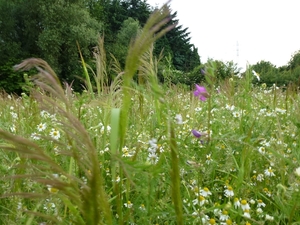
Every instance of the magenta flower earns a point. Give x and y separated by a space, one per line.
196 133
201 92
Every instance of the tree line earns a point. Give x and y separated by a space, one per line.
50 29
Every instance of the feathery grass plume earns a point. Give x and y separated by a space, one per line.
100 76
85 202
147 76
153 29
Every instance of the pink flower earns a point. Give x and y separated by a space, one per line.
201 92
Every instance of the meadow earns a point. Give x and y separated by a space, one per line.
226 152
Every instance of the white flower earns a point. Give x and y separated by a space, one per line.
237 203
178 119
41 126
260 177
229 107
237 114
247 213
269 172
35 136
208 159
44 114
260 203
259 211
128 204
205 192
199 200
228 192
245 205
55 134
297 171
224 216
270 218
262 150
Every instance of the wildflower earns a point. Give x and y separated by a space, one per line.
199 200
41 126
49 205
178 119
224 215
205 192
52 189
212 221
297 171
196 133
259 211
13 128
260 177
236 203
55 134
117 179
229 107
269 172
142 207
228 192
44 114
228 222
128 204
152 143
267 192
201 92
256 75
236 114
270 218
208 159
260 203
14 115
252 202
204 219
245 205
262 150
152 157
247 213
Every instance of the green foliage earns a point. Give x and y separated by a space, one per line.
13 81
128 32
63 25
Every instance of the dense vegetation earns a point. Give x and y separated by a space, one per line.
50 30
153 153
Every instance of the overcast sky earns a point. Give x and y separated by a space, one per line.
241 30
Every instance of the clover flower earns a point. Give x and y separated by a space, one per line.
201 92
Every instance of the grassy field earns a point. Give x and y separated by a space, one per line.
226 152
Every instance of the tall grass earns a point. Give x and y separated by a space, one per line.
125 154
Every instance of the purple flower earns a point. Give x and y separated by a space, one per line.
201 92
196 133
